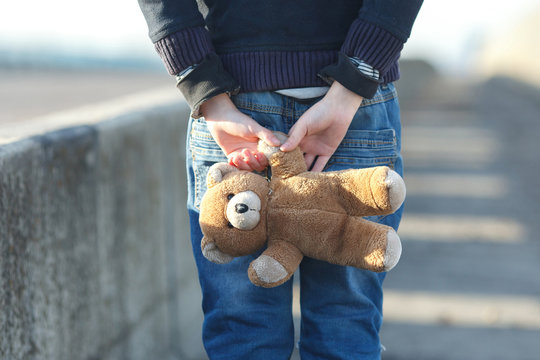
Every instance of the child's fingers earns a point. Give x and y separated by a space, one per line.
309 158
297 133
250 160
320 163
267 136
237 159
263 161
246 160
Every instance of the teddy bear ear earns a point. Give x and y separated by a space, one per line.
217 172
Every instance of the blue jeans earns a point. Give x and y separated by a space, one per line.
341 306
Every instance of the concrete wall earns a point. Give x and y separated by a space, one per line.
95 258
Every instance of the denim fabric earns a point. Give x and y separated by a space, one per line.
341 306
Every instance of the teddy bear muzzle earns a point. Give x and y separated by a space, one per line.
244 210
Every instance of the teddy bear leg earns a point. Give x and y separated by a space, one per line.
396 189
369 245
275 265
387 188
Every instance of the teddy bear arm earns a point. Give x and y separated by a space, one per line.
212 252
283 164
275 265
288 164
367 192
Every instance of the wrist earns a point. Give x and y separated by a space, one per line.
216 105
343 102
340 94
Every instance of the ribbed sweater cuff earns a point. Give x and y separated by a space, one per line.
184 48
372 44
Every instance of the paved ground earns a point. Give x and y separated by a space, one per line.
468 284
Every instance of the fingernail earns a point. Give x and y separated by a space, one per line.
274 140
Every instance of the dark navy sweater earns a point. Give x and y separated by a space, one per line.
259 45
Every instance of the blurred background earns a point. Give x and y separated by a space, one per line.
463 39
468 284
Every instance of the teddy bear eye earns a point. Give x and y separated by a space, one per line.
230 196
230 225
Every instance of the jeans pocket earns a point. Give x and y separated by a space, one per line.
204 152
365 148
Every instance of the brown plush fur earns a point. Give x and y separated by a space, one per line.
302 213
214 219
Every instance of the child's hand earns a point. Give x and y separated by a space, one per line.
320 130
236 133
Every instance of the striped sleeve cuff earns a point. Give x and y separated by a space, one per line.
373 44
184 48
365 68
350 76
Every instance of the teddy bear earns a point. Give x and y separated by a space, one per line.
299 213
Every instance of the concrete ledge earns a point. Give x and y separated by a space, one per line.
95 257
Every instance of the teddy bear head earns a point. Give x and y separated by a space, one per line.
233 213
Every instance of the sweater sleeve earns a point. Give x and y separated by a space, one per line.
177 29
376 37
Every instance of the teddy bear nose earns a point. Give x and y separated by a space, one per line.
241 208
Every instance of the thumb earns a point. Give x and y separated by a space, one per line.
296 135
267 136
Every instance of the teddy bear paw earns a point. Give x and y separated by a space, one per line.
212 253
268 270
396 189
393 250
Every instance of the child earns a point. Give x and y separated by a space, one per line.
321 71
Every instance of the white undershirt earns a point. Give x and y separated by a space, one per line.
305 92
318 91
